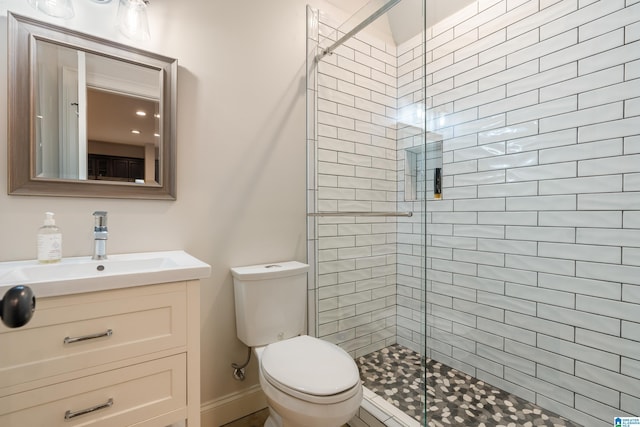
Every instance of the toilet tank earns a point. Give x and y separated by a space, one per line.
271 301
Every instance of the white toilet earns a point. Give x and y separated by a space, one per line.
308 382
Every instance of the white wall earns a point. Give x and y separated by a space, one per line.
241 157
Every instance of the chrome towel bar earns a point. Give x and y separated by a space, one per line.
353 213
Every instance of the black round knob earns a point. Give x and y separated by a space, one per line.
17 306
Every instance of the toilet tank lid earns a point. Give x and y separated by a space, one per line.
269 271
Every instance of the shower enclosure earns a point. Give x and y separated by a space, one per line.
368 176
474 207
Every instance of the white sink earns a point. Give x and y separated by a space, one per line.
82 274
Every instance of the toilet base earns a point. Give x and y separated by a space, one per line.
274 419
270 422
334 415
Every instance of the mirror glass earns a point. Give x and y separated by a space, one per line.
100 120
114 136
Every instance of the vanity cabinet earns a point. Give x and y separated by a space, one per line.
119 357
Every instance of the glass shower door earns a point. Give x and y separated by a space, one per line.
367 181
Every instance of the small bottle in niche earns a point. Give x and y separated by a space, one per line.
49 241
437 183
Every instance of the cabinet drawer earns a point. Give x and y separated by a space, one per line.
121 397
77 332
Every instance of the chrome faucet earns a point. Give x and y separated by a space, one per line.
100 235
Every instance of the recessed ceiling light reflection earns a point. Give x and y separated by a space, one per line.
157 116
136 131
141 113
157 135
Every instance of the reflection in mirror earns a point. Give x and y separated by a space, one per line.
101 121
130 151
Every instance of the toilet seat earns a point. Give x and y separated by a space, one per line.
310 369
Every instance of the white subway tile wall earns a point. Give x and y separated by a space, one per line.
370 117
526 288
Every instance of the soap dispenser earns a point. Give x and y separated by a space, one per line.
49 241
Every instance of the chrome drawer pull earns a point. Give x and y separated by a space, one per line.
70 340
69 415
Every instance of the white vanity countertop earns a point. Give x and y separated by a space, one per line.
82 274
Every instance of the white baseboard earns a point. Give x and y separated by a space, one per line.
232 406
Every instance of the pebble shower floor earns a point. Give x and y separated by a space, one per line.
453 398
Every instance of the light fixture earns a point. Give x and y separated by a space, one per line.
132 19
56 8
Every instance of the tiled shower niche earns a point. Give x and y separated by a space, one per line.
420 165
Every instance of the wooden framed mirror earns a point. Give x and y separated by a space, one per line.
88 117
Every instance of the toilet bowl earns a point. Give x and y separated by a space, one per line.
308 382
